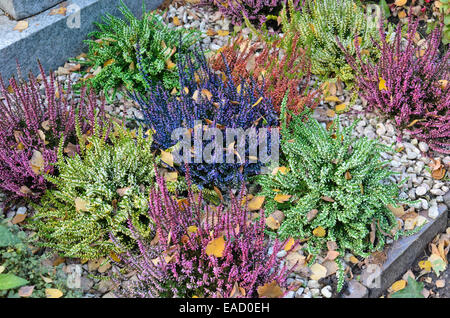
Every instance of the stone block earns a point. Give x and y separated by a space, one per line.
21 9
402 254
55 38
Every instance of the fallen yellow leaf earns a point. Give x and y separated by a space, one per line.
256 203
398 285
382 84
216 247
319 232
53 293
270 290
318 271
21 25
281 198
289 244
167 158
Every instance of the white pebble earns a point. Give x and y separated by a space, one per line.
326 291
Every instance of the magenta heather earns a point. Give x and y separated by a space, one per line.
178 266
416 80
32 123
255 10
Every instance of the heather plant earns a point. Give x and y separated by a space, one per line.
409 82
317 26
333 187
277 70
216 102
202 251
31 126
23 268
112 51
255 11
97 192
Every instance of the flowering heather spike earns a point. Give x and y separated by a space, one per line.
416 90
256 11
31 125
217 102
179 265
277 71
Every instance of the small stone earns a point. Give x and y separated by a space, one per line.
86 284
326 291
421 190
105 286
289 294
446 198
356 290
433 212
281 253
381 130
315 292
299 292
437 192
109 295
411 155
21 210
313 284
74 276
423 146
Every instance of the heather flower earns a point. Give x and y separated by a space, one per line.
31 125
256 11
409 82
277 70
179 264
217 102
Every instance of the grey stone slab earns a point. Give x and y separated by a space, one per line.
54 38
20 9
402 254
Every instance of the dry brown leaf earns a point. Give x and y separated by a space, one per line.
176 21
398 211
61 11
331 255
37 162
270 290
440 283
311 214
318 271
122 191
295 261
21 25
26 291
222 33
81 205
237 291
25 190
19 218
332 245
328 199
331 267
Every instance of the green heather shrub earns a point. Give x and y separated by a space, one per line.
336 187
21 267
317 24
96 193
113 50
